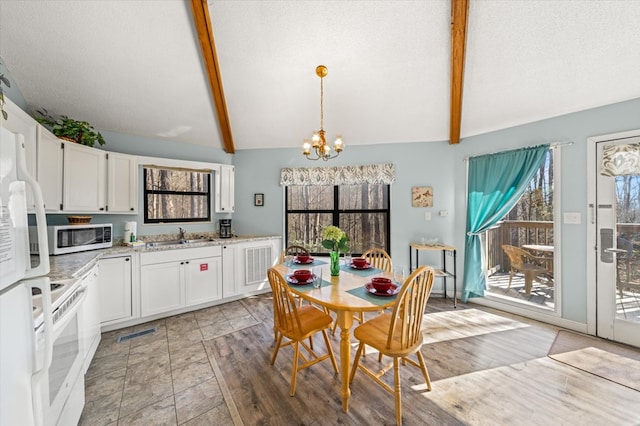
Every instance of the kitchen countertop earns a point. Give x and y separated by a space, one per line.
74 265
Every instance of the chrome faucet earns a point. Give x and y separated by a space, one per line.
182 233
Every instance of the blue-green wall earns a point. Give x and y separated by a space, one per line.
435 164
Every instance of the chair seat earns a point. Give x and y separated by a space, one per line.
527 267
375 333
312 319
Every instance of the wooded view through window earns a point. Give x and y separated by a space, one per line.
361 211
176 196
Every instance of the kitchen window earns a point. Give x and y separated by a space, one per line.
362 211
176 195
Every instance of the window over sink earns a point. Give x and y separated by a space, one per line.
176 195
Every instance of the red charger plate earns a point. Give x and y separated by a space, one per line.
395 289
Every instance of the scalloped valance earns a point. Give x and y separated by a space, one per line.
340 175
620 160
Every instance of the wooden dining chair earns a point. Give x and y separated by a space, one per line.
529 265
292 250
397 334
297 324
378 258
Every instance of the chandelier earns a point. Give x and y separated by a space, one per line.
321 150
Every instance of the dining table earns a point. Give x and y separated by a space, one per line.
344 294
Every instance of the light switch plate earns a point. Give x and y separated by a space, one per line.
427 216
572 218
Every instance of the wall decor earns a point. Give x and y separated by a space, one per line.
258 200
422 196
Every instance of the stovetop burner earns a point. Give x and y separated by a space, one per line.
35 291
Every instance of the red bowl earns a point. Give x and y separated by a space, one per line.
381 284
359 261
302 274
304 258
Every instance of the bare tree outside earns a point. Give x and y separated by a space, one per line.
176 195
361 211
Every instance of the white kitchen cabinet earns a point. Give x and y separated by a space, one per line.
161 287
245 266
174 279
202 280
20 122
84 183
225 189
49 166
122 183
115 289
90 315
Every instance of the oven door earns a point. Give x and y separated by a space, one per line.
65 372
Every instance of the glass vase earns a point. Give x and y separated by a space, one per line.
335 263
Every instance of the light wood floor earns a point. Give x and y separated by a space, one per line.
486 367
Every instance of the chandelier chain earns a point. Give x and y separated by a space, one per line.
321 103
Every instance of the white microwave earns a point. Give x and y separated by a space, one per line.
65 239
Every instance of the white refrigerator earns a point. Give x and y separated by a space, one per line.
20 369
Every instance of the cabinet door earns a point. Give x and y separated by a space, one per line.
84 178
115 289
90 316
229 287
202 280
122 183
225 189
20 122
50 169
161 287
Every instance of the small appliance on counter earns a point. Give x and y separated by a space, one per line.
224 226
65 239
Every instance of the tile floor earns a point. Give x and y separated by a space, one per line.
163 378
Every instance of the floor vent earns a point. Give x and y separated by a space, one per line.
137 334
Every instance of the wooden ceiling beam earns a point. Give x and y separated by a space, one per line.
205 34
459 12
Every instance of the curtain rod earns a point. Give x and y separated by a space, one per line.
551 145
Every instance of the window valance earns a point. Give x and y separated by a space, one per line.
619 160
341 175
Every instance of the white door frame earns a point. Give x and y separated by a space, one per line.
592 241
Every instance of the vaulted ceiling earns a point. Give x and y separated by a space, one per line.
137 67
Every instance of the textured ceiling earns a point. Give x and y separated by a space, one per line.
135 66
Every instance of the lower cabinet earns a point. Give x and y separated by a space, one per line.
174 279
90 316
115 288
246 264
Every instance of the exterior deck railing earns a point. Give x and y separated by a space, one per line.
516 233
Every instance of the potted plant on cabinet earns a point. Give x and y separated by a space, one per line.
69 129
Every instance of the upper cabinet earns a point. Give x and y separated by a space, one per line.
85 174
225 189
122 183
20 122
50 169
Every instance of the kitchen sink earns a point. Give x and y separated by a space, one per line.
177 242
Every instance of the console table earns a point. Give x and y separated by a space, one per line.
443 272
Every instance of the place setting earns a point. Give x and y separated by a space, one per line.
381 288
306 278
359 266
300 261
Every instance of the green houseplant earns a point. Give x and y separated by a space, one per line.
67 128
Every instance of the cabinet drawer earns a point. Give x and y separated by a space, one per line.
179 254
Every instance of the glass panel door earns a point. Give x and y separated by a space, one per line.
618 255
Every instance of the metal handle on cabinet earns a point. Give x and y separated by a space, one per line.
127 259
131 209
101 208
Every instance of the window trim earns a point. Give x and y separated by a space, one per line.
146 192
336 212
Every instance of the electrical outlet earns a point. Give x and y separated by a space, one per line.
444 213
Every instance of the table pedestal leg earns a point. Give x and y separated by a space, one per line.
345 321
